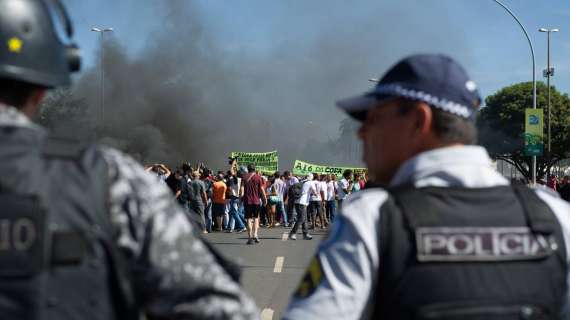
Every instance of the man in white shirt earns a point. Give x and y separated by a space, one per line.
315 204
344 186
307 189
332 187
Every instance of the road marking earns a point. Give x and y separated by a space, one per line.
267 314
278 264
285 236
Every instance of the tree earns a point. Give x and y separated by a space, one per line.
501 126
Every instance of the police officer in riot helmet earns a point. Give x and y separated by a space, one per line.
85 232
442 235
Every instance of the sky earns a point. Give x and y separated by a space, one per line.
494 50
290 60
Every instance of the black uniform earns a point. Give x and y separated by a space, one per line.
434 267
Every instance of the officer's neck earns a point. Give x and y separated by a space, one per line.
32 104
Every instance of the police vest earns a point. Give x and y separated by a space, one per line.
458 253
57 257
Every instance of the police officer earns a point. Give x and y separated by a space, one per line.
443 236
85 232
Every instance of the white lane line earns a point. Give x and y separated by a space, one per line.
278 264
285 236
267 314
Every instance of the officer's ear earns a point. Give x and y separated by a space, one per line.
33 102
422 120
38 96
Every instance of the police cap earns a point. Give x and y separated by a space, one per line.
431 78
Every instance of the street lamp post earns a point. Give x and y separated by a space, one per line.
101 32
548 73
533 75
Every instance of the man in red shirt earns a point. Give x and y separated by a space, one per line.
253 193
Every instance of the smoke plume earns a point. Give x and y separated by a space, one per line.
195 93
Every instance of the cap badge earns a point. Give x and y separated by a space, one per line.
470 85
15 45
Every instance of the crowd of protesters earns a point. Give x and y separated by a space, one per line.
244 199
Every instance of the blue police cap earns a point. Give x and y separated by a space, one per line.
431 78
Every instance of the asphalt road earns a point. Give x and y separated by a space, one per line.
271 269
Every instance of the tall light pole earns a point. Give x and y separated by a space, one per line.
533 75
101 32
549 72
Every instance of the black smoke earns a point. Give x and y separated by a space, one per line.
187 95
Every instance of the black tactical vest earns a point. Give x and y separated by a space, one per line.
458 253
57 258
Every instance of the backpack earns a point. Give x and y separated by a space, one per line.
296 190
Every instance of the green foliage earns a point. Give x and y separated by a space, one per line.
501 126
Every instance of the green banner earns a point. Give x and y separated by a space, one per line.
534 132
266 162
303 168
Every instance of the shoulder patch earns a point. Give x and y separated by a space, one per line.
311 280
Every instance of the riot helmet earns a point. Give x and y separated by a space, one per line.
31 50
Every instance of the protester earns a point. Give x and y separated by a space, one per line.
302 192
206 178
315 209
356 185
264 208
198 201
290 181
183 195
564 189
332 187
160 170
281 189
219 200
173 182
187 170
253 193
234 184
362 179
552 182
344 186
273 199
